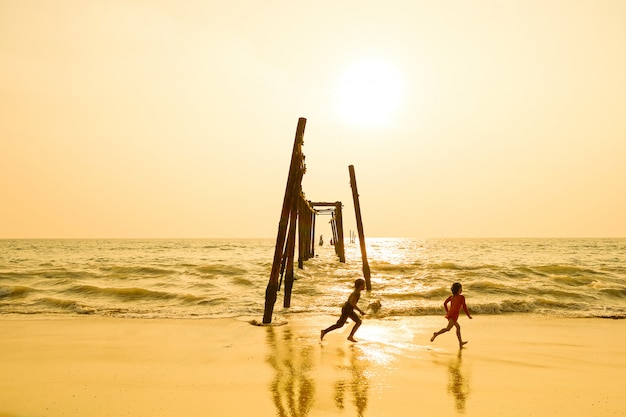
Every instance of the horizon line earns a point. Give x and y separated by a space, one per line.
366 237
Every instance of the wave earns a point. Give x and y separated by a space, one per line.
489 286
15 292
12 275
453 266
213 302
386 267
130 293
574 281
68 305
509 306
503 307
221 269
49 273
431 294
242 281
569 270
614 292
445 265
124 271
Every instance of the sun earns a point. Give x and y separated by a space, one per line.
369 93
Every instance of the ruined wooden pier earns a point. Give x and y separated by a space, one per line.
298 215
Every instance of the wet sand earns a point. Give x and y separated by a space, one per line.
516 365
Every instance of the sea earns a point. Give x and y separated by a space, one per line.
227 278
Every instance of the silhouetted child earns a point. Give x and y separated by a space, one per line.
456 301
347 311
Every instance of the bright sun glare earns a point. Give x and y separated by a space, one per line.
369 92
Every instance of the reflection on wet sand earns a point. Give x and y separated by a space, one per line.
356 381
458 385
292 389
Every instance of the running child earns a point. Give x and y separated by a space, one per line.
347 311
457 301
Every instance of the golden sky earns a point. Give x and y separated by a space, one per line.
156 118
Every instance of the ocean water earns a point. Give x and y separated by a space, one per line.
206 278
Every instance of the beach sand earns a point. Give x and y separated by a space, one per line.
518 365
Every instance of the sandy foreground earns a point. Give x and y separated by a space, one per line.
512 366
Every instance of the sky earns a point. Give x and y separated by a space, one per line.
176 119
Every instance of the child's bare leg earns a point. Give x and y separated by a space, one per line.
432 339
338 325
357 323
445 329
354 329
458 335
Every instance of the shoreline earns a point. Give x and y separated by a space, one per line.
514 365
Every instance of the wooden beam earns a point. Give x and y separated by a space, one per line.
296 169
322 204
339 243
359 225
290 253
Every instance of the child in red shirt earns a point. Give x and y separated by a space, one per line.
457 301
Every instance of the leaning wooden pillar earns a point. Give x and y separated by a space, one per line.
359 225
297 162
339 244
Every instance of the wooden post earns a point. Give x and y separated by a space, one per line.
308 241
339 243
302 232
313 220
333 227
290 253
283 264
359 225
296 166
